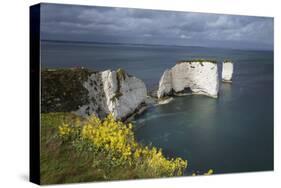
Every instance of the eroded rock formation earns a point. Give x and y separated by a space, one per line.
87 92
194 77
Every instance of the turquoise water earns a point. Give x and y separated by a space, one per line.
233 133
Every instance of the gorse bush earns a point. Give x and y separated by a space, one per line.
209 172
76 149
113 147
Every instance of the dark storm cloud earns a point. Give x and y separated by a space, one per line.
100 24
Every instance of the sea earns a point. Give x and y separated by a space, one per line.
233 133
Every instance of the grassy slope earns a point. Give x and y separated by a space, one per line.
61 163
63 90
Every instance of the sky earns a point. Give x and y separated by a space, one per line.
141 26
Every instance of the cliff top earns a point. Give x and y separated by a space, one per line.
196 61
227 61
56 87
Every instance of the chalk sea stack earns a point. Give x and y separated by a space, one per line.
86 92
227 71
190 76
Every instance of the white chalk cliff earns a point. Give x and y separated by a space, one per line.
113 92
196 77
227 71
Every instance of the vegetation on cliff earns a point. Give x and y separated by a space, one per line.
227 61
75 149
197 61
58 86
120 76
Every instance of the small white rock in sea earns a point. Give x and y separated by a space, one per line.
227 71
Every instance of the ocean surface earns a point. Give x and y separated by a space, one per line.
233 133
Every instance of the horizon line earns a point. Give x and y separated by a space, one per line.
144 44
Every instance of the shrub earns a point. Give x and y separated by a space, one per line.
115 149
209 172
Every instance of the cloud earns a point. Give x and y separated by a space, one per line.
66 22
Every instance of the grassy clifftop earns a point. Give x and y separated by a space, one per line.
62 89
196 61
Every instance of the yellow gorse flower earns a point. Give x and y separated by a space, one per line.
64 129
210 171
116 140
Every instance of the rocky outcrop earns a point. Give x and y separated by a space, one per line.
194 77
227 71
87 92
124 94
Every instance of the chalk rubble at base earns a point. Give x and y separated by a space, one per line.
165 101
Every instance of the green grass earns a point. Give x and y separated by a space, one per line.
196 60
121 74
227 61
58 86
61 162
